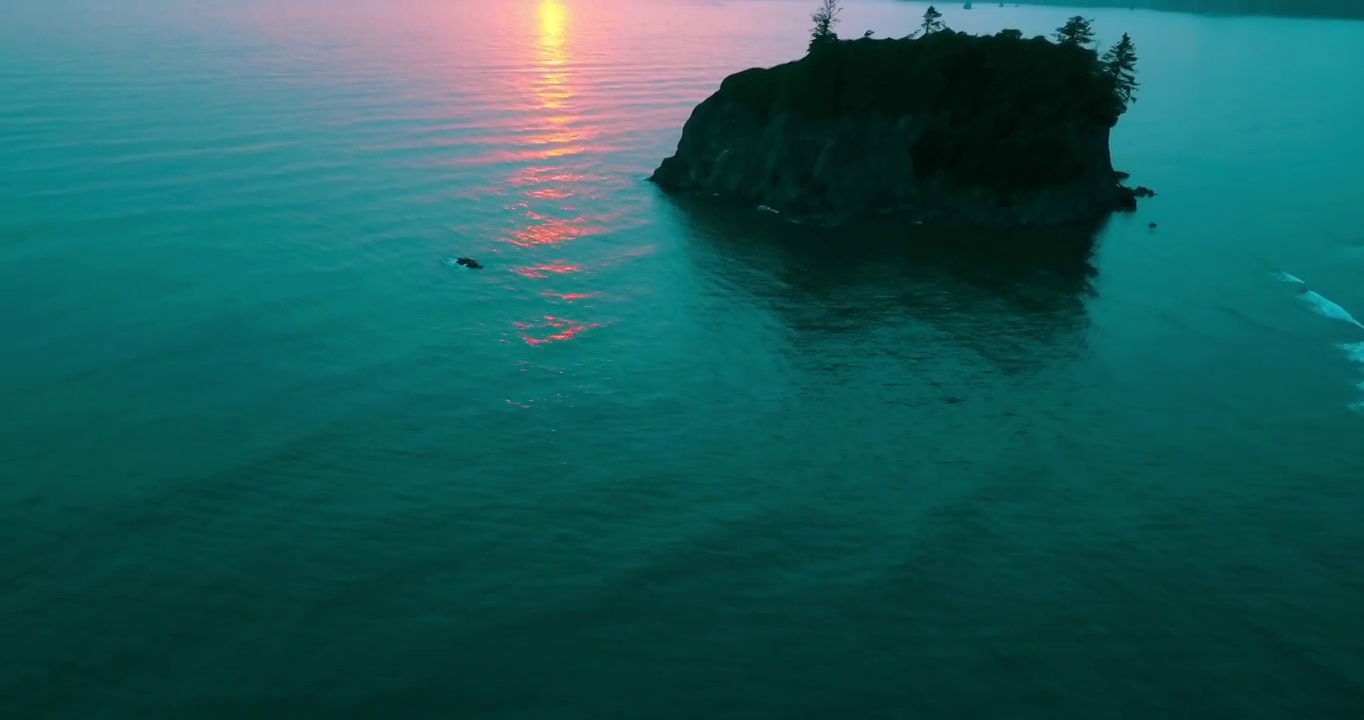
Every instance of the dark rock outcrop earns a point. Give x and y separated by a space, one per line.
995 131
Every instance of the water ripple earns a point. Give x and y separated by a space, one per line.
256 419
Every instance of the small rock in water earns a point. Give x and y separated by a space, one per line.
470 263
1151 225
1143 191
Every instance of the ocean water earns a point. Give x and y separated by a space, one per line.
266 453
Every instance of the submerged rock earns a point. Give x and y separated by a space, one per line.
950 128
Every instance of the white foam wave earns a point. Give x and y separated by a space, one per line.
1326 308
1355 352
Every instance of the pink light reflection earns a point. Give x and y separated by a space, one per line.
560 330
568 297
544 270
551 232
549 194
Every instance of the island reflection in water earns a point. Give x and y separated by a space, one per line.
1015 299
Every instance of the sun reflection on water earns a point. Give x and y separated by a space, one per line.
548 212
551 24
552 329
568 297
540 272
552 89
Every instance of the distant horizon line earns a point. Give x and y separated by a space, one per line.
1325 9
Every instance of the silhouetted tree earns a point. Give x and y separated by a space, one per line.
1120 64
825 18
1011 34
1076 31
932 21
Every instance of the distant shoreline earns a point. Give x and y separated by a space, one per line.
1322 9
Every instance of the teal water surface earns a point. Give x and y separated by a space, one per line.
266 453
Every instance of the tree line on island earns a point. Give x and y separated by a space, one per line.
1117 64
993 129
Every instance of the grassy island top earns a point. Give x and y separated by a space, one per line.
1002 111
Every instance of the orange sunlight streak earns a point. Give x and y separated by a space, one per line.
560 330
547 189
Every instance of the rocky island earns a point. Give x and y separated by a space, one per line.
940 127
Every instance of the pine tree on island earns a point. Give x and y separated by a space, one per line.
1120 64
1076 31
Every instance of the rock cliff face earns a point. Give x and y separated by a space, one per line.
995 131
